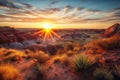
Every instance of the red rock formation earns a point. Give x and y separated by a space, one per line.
114 29
8 35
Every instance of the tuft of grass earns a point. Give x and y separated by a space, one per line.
8 72
81 62
102 74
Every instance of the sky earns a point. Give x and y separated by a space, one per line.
61 13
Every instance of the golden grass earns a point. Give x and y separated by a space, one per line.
8 72
63 59
14 55
106 43
41 56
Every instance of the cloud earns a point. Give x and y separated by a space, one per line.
8 4
54 2
27 5
24 12
90 16
67 9
117 8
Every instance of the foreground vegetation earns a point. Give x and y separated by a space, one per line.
73 57
8 72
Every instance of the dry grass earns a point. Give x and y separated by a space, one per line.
8 72
41 56
108 43
12 55
59 58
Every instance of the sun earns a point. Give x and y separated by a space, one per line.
47 27
47 33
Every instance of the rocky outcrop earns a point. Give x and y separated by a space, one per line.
10 35
113 30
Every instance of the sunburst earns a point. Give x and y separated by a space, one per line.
47 32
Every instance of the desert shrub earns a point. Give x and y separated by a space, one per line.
70 53
14 55
81 62
53 49
40 56
8 72
76 48
102 74
27 51
2 50
60 58
69 47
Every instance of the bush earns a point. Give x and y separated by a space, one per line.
102 74
70 47
70 53
40 56
14 55
8 72
81 62
53 49
60 58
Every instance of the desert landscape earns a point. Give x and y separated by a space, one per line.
48 51
79 54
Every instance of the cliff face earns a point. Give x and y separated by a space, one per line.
113 30
8 35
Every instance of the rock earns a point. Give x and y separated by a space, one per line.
11 35
114 29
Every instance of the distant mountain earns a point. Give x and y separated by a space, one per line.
9 35
113 30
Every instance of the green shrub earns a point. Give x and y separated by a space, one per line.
8 72
102 74
81 62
